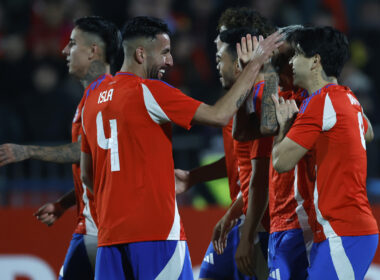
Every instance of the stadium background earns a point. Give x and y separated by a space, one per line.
38 100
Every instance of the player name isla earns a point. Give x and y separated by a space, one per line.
105 96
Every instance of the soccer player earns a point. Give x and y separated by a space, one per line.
217 265
290 236
127 154
90 53
330 123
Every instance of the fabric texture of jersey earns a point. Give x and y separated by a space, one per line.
86 213
342 258
127 131
290 202
224 266
331 123
139 261
287 255
231 162
79 262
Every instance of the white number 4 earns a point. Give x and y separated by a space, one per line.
109 143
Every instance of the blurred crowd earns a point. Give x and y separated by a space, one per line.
38 98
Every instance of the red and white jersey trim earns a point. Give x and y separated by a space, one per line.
155 111
91 228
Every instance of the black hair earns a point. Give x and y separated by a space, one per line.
233 36
108 33
331 44
144 26
244 17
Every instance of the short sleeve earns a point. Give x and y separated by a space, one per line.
165 103
308 124
262 148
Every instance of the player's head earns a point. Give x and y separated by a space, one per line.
320 52
244 17
285 52
226 56
92 40
146 43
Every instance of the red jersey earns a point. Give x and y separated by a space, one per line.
127 127
289 200
330 123
86 213
231 162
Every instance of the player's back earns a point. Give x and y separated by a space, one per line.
129 131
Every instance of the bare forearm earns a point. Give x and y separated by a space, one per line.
215 170
86 170
269 125
69 153
258 197
67 200
223 110
236 208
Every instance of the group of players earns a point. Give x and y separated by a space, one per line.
295 156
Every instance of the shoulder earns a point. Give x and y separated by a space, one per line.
158 84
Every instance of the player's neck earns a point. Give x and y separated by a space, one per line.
133 68
318 81
96 69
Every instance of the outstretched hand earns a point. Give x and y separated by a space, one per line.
49 213
11 153
182 180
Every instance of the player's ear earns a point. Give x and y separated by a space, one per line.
94 51
140 55
316 61
237 66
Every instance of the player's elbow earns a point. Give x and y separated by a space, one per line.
280 165
369 136
266 130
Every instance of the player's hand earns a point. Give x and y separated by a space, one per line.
10 153
286 111
49 213
182 180
245 50
263 49
220 233
244 257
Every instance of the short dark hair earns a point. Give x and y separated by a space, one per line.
108 33
233 36
144 26
331 44
244 17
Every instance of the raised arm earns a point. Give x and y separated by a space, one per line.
223 110
11 153
186 179
268 124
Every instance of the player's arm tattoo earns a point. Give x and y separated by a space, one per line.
242 98
269 123
97 68
69 153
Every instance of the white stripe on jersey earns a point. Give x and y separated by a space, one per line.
155 111
329 114
302 216
91 228
175 231
339 258
173 268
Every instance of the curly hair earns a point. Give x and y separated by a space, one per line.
244 17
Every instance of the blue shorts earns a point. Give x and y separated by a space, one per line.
224 266
80 258
346 257
287 255
165 260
